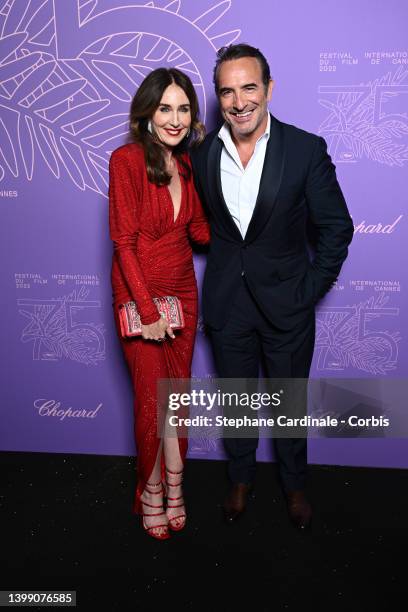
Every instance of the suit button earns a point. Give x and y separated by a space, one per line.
243 273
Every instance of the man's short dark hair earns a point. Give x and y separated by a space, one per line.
234 52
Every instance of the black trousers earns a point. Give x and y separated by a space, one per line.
239 347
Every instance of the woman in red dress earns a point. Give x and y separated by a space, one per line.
154 214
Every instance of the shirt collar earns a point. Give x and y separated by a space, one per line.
225 134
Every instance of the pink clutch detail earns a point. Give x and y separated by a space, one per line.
169 307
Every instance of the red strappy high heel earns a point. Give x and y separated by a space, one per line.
162 534
174 521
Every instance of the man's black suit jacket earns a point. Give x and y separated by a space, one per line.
298 187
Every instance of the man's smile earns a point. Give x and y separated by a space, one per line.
241 117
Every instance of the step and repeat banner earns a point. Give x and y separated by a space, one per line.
68 72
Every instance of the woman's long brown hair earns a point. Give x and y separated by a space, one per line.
145 103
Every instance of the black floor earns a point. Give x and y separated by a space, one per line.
66 523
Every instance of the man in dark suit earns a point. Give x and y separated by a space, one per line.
263 182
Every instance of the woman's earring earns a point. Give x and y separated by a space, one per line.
149 126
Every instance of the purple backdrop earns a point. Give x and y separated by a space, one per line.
68 71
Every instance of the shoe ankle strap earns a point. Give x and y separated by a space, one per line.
152 505
150 484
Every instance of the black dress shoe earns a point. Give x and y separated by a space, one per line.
300 511
235 503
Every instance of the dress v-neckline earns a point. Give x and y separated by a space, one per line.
181 196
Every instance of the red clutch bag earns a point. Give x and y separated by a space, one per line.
169 307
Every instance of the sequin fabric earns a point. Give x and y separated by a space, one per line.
152 257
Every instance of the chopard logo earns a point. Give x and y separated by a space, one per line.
376 228
52 408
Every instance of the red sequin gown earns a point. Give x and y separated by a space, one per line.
152 257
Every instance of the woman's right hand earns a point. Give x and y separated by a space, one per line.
157 330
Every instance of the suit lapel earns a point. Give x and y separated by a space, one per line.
219 207
271 178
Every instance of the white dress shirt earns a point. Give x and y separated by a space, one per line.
240 185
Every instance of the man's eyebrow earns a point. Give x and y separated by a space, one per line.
242 87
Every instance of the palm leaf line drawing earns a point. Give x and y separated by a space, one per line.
205 443
84 344
375 354
74 112
353 123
